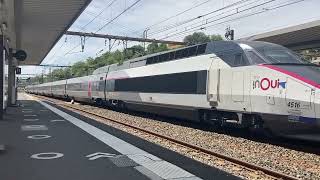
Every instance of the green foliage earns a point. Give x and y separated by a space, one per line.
84 68
216 37
200 37
155 47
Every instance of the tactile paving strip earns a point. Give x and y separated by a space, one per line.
123 161
167 170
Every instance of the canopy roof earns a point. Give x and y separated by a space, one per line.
36 25
303 36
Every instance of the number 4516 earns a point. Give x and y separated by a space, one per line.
294 104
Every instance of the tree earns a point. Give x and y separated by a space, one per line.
155 47
216 37
200 37
196 38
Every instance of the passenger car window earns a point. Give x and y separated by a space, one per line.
192 51
171 55
179 54
201 49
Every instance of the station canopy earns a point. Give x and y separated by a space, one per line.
36 25
299 37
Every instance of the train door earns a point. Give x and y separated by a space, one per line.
89 88
300 105
233 84
105 88
213 82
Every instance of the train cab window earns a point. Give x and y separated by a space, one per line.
254 58
232 59
192 51
201 49
239 60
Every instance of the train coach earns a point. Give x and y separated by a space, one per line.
249 84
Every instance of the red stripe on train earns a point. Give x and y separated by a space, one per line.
292 74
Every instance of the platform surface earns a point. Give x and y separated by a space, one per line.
43 141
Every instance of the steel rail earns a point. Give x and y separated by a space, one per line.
266 171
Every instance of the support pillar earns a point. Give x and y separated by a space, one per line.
12 85
2 60
4 51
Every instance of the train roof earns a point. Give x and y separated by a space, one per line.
189 51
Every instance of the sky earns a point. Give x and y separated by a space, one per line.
173 20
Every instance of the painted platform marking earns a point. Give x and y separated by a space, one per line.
39 137
98 155
31 120
47 156
57 120
34 128
29 115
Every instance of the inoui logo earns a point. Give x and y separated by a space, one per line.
266 83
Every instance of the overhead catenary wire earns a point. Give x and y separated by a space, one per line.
82 27
119 25
198 17
231 20
109 22
176 15
226 16
113 19
202 25
99 14
193 29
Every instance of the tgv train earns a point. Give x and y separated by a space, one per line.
249 84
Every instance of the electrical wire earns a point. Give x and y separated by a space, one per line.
222 13
224 17
99 14
104 19
199 17
238 18
82 27
109 22
168 18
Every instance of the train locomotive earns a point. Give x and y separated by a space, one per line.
250 84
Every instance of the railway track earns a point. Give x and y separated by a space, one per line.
266 171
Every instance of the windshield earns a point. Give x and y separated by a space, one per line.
280 55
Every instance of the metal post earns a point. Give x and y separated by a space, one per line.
145 36
2 60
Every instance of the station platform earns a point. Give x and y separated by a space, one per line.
44 142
